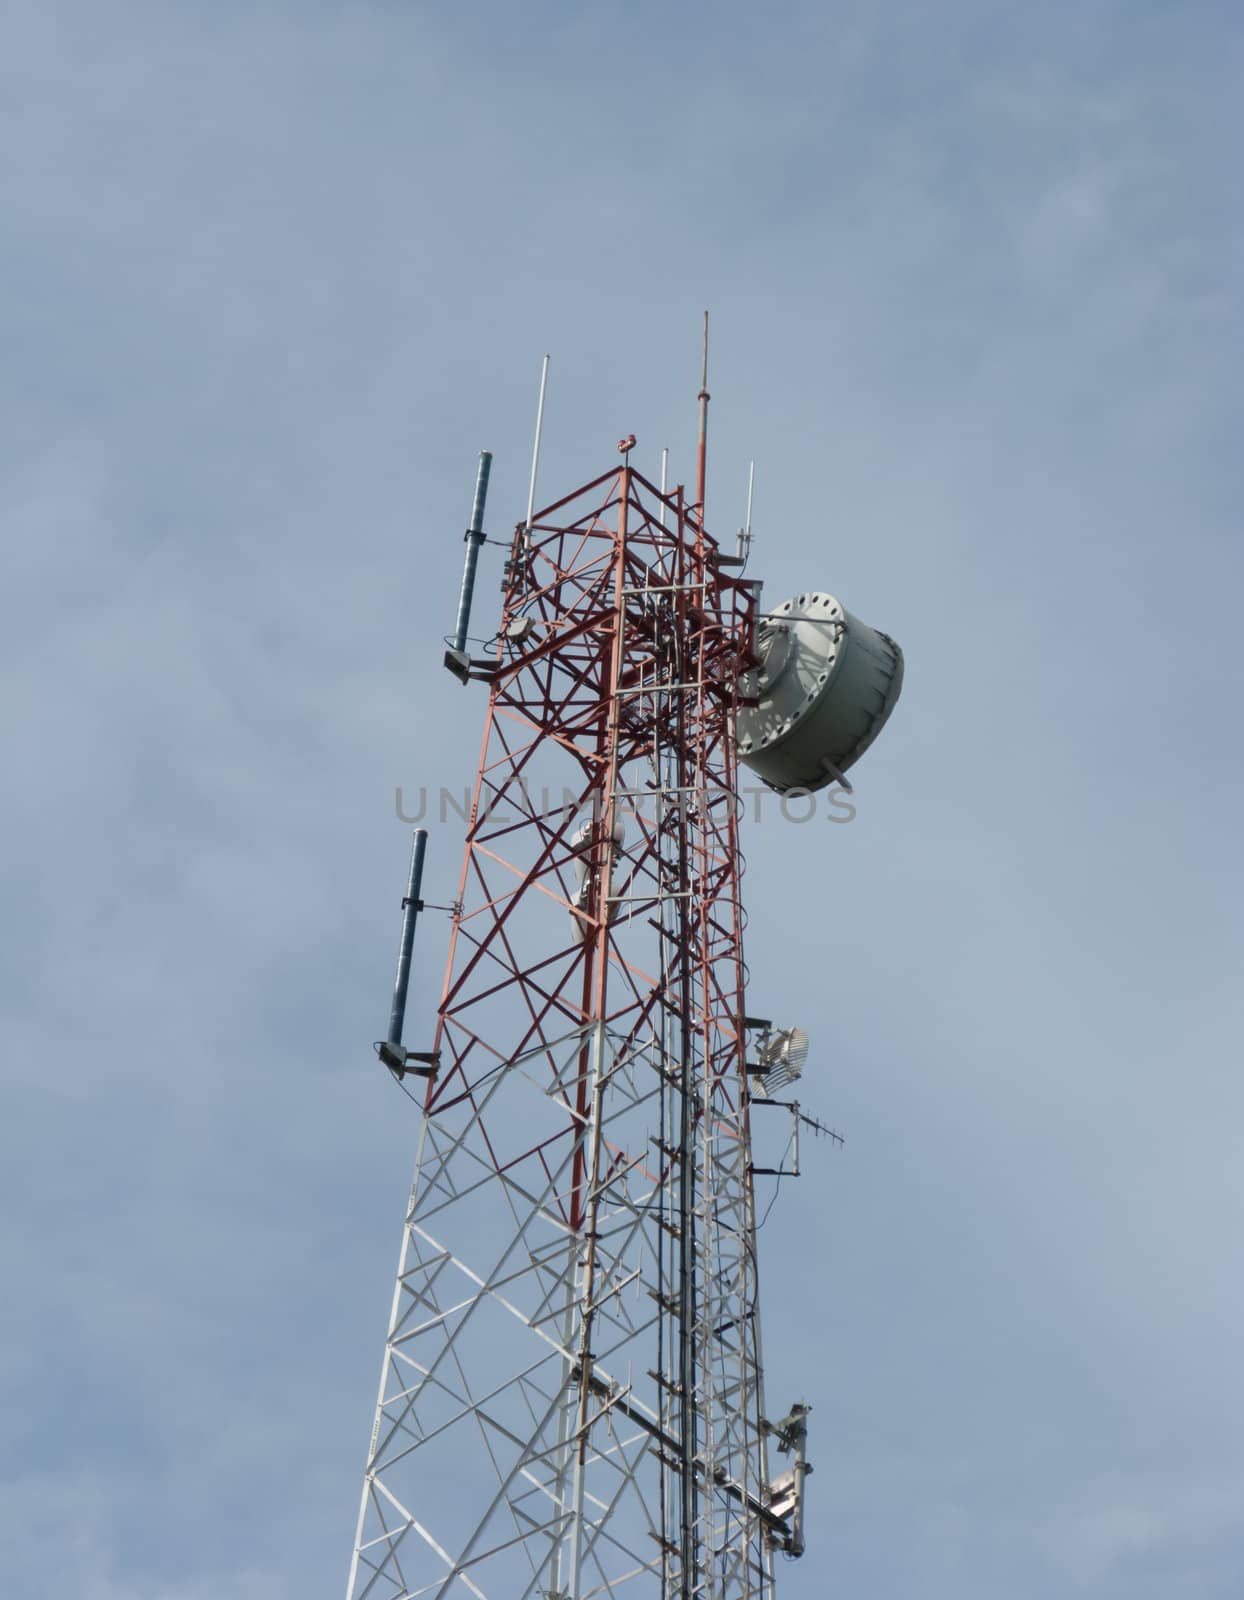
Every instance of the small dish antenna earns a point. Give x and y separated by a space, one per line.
780 1058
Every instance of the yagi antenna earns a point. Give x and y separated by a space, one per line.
781 1055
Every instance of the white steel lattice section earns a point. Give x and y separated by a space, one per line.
571 1397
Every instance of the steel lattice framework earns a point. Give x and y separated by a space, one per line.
571 1397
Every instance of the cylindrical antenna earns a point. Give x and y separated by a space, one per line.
702 456
535 452
474 538
411 906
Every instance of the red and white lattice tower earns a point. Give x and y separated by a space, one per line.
572 1399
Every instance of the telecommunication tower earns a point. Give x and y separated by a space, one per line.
572 1398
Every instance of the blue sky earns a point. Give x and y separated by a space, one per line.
273 275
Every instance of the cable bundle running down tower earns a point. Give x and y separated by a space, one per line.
571 1400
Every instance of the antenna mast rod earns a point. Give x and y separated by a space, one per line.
702 459
745 532
535 452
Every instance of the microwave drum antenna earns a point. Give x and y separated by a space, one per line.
825 685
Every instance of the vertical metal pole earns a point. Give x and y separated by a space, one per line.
702 454
745 538
586 1289
797 1546
410 915
565 1422
688 1508
604 820
535 454
474 538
